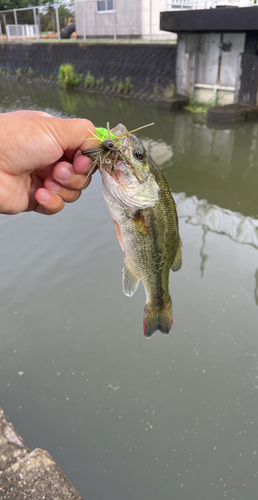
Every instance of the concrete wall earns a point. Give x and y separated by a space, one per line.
124 21
130 19
204 70
146 64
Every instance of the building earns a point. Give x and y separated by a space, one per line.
217 57
118 19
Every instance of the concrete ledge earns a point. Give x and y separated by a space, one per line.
25 474
227 20
173 104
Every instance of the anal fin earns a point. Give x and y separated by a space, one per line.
130 281
177 262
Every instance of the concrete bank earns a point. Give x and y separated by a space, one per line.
29 474
150 66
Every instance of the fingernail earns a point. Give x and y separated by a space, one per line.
64 174
54 186
45 195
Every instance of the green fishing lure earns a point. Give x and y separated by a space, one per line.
104 133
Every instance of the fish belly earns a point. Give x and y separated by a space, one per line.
146 239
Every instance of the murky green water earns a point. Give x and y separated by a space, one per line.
174 417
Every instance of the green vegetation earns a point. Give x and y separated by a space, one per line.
100 82
194 106
31 72
114 83
170 91
122 87
128 86
46 15
167 92
156 89
89 80
67 77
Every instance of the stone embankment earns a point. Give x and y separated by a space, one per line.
150 67
28 474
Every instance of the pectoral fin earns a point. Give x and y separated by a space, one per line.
119 234
130 281
140 224
177 263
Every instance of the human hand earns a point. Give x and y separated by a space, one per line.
41 165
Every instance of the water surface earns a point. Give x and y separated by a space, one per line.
175 417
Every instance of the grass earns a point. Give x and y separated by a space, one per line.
122 86
67 77
31 72
89 81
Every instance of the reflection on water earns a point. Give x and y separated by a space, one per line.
174 417
256 287
212 218
198 212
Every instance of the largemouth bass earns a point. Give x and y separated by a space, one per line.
145 218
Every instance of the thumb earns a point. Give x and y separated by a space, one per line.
71 133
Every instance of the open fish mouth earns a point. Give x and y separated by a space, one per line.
119 148
111 157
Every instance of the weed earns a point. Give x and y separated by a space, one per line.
100 82
156 89
170 91
120 86
194 106
128 84
125 86
31 72
67 77
114 83
89 80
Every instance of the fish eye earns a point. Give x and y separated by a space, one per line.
138 153
107 144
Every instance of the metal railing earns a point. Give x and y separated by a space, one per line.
206 4
22 31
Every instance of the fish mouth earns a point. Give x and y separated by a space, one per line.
117 156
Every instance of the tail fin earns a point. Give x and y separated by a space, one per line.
157 319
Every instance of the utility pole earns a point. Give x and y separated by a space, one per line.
150 33
57 23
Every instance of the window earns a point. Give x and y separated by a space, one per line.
105 5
